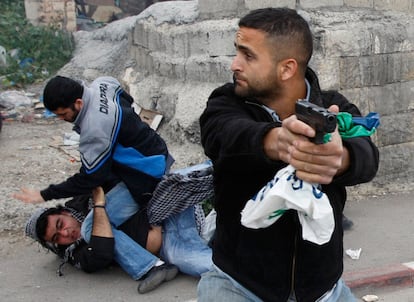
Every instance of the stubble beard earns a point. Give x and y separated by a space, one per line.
246 91
251 92
74 116
241 91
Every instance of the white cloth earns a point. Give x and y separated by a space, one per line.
209 226
284 192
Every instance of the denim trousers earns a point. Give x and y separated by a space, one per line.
217 286
181 245
131 257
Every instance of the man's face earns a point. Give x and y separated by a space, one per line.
68 114
62 229
254 67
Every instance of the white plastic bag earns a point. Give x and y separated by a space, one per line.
285 192
209 226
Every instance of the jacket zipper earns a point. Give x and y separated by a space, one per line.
292 285
275 118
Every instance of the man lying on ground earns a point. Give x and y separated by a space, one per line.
117 229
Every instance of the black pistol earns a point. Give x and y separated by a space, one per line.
319 118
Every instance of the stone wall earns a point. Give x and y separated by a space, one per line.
63 13
362 48
57 12
216 8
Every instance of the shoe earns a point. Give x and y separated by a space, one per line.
156 276
346 223
171 272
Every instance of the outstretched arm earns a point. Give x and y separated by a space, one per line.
29 195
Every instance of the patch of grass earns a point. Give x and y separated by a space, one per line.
38 51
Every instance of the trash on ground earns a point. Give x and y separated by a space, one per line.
71 139
370 298
151 117
354 254
19 105
31 148
13 98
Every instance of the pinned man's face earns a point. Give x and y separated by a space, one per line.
62 229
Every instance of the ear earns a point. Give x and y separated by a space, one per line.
78 104
289 68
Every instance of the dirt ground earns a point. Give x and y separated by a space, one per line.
33 155
29 160
30 157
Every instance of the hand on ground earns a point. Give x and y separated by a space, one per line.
28 195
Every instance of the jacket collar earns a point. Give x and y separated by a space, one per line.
315 89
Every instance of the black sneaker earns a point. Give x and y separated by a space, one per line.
171 272
156 276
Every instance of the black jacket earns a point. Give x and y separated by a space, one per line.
99 252
273 261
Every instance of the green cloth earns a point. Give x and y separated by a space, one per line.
348 129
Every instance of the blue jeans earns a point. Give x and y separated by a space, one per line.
217 286
131 256
183 246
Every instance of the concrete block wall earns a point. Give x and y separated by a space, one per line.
192 52
370 59
216 8
363 51
61 13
